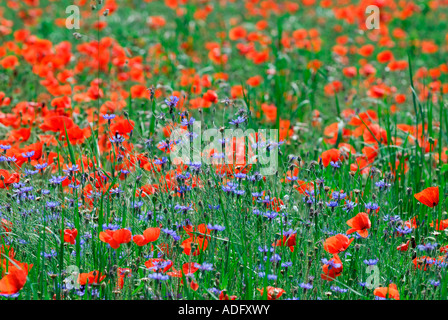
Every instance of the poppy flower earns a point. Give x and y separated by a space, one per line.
70 235
289 241
390 292
194 245
270 111
90 278
237 33
187 270
14 281
200 231
224 296
331 155
210 96
337 243
440 226
423 262
116 238
122 273
9 62
273 293
6 178
149 235
56 123
7 250
332 269
157 263
6 225
360 224
404 246
429 197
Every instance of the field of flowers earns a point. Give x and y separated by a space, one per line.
348 202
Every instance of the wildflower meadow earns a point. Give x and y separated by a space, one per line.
223 150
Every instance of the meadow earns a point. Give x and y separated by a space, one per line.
95 206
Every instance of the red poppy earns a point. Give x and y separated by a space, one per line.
224 296
122 273
360 224
116 238
440 226
149 235
429 197
188 269
90 278
332 269
273 293
289 241
70 235
199 231
7 178
332 155
210 96
56 123
404 246
154 264
390 292
14 281
337 243
6 225
194 242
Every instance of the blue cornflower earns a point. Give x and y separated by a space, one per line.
239 192
275 258
186 122
332 204
371 262
5 147
161 161
435 283
28 154
57 179
338 289
108 117
338 195
382 185
240 175
404 230
158 276
270 214
172 101
215 227
183 208
372 206
349 206
238 121
171 233
52 204
138 205
272 277
427 247
72 168
265 249
204 266
306 286
40 166
336 164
